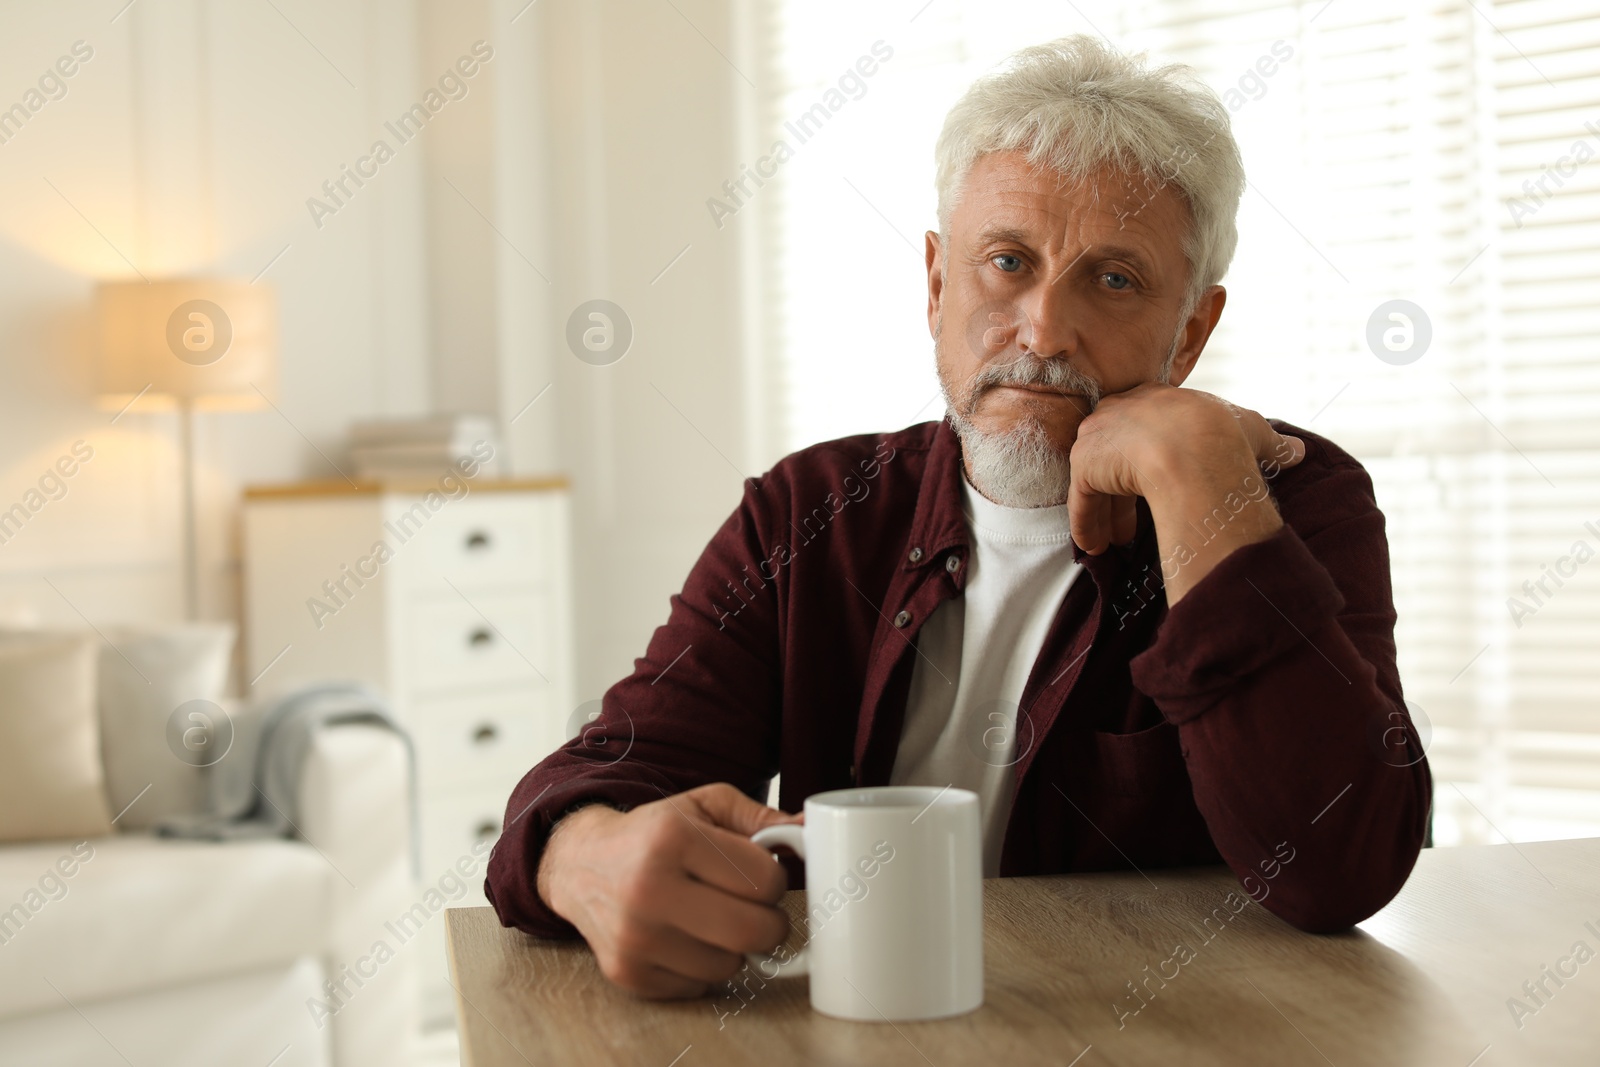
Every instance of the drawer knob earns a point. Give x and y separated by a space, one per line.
488 828
479 637
485 734
477 541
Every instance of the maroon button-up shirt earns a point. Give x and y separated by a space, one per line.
1259 722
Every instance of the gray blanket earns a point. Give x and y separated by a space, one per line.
255 793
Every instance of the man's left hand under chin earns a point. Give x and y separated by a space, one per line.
1194 457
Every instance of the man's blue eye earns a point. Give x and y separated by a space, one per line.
1122 280
1009 264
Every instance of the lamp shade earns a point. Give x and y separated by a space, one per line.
195 340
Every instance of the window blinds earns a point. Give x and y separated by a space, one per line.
1446 154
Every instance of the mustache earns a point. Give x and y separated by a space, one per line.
1056 375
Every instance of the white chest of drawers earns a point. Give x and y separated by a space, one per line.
457 609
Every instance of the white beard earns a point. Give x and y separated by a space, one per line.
1020 468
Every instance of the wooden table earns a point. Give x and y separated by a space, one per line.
1429 980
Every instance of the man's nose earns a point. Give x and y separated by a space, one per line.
1047 326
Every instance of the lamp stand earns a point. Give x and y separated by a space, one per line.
191 555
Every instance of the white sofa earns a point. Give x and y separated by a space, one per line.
177 953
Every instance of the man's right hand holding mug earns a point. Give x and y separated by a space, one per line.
671 895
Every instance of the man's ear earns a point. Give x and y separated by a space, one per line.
1197 331
934 254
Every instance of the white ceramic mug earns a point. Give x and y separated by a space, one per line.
894 898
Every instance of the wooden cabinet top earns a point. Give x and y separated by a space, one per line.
334 487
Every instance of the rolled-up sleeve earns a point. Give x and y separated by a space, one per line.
702 705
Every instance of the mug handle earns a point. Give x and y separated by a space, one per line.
770 966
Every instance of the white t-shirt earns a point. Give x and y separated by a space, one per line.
975 654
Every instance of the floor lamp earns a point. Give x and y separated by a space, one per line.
193 344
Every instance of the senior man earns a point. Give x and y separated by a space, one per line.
1148 628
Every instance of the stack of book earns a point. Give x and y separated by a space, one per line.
422 449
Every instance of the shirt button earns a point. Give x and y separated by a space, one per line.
902 619
952 563
916 555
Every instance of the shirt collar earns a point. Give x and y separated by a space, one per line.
939 524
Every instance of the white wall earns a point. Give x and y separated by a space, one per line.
580 162
189 143
643 132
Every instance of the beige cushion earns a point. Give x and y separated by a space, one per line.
51 782
146 674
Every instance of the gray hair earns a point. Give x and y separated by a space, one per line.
1075 105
